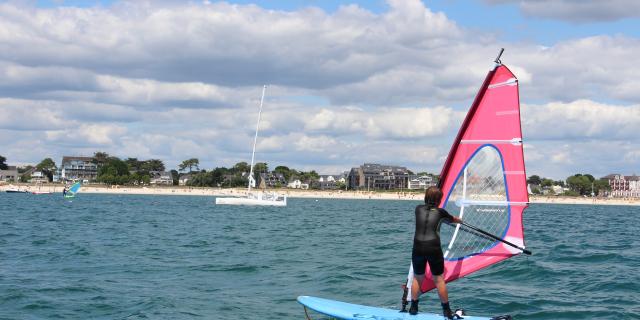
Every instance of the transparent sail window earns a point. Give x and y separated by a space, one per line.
479 197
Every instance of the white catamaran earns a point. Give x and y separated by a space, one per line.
258 198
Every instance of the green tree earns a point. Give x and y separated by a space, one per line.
133 164
600 186
580 184
154 165
190 163
3 165
114 171
260 167
100 158
48 167
175 176
546 183
24 178
236 181
241 167
25 168
135 178
534 179
285 171
205 179
307 177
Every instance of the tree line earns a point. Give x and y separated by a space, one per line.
577 184
115 171
238 175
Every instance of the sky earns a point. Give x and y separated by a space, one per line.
349 82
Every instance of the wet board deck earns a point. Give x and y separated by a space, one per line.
343 310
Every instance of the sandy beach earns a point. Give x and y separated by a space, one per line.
294 193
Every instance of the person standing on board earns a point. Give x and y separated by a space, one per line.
64 191
427 249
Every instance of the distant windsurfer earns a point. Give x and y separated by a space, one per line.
427 249
64 191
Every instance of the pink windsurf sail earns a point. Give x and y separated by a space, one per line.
484 181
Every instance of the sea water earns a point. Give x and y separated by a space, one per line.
183 257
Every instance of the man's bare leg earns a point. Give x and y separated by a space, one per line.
415 286
442 288
415 293
444 295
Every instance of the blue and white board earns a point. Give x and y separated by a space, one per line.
348 311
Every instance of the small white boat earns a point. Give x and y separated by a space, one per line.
14 189
40 192
256 198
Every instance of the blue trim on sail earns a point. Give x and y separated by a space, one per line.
506 187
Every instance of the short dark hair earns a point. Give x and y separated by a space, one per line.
432 197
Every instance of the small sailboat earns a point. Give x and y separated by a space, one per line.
256 198
484 183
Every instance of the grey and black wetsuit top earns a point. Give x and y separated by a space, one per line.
426 240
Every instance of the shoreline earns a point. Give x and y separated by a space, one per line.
293 193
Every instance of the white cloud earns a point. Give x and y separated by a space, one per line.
315 144
92 134
582 119
632 156
384 123
562 157
171 80
581 11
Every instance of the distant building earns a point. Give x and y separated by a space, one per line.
9 175
271 180
329 182
297 184
623 186
38 177
557 190
184 179
294 184
78 168
160 178
421 182
377 176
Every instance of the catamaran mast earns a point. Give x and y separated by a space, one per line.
255 139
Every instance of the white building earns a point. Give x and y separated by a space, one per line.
160 178
9 175
38 177
78 168
422 182
184 179
297 184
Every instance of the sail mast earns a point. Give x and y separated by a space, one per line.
255 138
465 124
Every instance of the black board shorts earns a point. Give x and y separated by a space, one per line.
435 260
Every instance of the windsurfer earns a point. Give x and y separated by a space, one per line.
64 191
427 249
